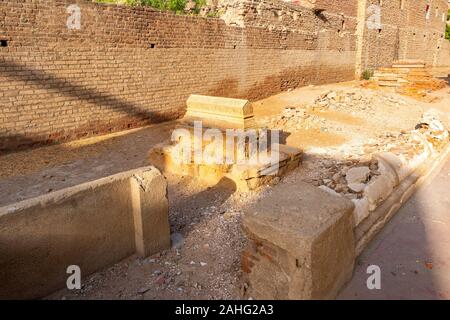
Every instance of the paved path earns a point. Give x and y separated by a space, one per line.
413 250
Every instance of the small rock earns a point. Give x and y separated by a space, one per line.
157 272
336 177
143 290
160 280
177 240
351 196
357 175
149 261
357 187
332 95
341 188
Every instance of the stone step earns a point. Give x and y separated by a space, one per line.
389 84
409 66
385 74
412 78
394 70
409 61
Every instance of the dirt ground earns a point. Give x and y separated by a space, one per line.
205 263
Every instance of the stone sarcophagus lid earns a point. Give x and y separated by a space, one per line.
218 112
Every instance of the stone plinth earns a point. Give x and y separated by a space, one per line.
301 244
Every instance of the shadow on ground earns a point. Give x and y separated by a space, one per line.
412 251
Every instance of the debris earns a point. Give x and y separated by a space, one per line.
143 290
160 280
357 187
357 175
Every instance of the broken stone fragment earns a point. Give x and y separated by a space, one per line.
351 196
177 240
378 190
431 118
386 170
397 163
336 177
332 95
357 175
357 187
361 210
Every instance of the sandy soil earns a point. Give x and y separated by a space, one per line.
206 263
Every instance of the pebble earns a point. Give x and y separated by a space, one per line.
177 240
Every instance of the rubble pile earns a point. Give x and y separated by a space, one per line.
292 118
332 100
392 158
340 99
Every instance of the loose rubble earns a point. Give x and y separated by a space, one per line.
347 101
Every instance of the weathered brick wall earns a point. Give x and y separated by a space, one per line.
127 67
406 32
443 58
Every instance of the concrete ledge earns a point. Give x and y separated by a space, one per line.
301 244
92 225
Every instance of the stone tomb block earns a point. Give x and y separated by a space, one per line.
301 244
218 112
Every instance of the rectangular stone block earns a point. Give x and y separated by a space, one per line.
218 112
92 225
301 244
150 208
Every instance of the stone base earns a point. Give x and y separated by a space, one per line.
301 244
247 177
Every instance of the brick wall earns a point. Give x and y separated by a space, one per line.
127 67
406 32
443 58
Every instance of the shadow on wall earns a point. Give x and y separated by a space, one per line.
135 115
